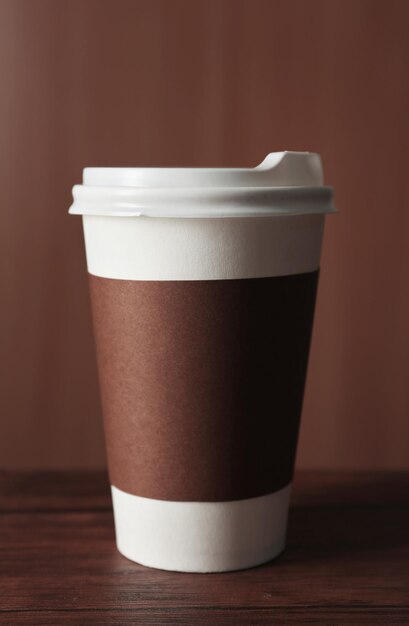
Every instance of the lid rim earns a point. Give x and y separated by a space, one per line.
193 202
285 183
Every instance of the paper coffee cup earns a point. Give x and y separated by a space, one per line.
203 285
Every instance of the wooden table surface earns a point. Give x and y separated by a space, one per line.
346 562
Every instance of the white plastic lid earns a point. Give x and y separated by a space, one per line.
285 183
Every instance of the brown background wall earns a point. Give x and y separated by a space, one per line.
171 82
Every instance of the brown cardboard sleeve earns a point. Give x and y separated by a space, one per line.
202 383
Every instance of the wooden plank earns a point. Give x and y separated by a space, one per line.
346 558
209 616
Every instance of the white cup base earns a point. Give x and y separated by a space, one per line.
201 536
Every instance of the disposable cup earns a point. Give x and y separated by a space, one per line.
203 285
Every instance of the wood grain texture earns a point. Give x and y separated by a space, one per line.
220 617
347 559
